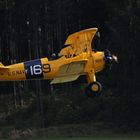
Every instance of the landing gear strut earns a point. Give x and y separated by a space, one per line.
93 89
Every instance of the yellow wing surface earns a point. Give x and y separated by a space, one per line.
79 42
69 72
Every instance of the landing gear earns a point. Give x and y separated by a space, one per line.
93 89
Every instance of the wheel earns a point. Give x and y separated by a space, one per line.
93 89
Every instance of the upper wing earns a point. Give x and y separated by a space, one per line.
69 72
79 42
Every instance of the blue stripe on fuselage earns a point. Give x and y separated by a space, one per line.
33 69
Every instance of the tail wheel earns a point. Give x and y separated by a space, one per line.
93 89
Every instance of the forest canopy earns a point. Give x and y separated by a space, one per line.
32 29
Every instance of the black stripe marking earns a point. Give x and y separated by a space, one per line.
33 69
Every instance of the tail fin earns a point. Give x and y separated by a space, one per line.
3 67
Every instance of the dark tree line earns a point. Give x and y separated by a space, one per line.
33 29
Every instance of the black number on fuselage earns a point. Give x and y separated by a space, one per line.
46 68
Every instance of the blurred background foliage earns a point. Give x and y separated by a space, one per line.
31 29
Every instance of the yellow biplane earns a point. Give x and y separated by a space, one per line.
75 60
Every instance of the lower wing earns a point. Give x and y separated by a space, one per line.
69 72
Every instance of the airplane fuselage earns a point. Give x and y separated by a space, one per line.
48 69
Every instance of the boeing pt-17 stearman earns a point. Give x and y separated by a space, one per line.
75 60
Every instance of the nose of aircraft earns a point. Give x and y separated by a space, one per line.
110 58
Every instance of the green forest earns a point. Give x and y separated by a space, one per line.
32 29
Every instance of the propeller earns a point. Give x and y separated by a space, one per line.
110 58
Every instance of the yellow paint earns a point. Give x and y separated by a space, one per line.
95 87
13 73
79 42
75 60
98 61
